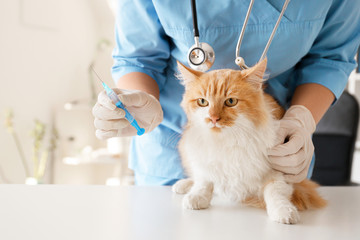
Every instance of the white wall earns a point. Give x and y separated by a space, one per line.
46 47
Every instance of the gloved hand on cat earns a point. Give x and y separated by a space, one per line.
110 121
293 150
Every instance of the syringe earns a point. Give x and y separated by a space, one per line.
113 96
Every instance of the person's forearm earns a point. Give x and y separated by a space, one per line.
139 81
314 97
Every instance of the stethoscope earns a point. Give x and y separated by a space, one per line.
201 56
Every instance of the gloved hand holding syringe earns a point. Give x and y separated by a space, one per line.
111 122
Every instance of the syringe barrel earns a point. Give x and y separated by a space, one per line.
112 95
128 116
131 119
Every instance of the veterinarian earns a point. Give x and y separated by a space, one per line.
309 61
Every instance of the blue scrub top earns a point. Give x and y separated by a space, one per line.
315 43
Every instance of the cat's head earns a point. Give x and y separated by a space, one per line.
223 98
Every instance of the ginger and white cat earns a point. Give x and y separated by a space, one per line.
231 125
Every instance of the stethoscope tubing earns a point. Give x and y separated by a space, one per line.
241 36
194 17
238 59
263 55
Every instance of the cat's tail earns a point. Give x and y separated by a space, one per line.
305 196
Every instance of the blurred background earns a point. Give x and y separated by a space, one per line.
47 92
47 48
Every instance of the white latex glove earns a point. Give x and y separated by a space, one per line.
293 150
110 121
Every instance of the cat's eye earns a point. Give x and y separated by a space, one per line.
202 102
230 102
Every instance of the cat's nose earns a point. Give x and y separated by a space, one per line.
214 119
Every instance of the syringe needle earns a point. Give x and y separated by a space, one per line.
91 66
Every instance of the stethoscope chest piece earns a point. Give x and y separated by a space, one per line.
201 57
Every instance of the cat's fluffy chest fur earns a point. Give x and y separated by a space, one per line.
234 160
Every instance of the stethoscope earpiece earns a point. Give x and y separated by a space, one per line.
201 57
241 63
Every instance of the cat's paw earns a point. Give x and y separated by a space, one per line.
196 202
285 214
182 186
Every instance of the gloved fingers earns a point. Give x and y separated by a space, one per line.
110 124
123 132
295 143
104 113
118 91
156 121
128 131
303 117
281 135
309 147
295 169
105 101
289 161
103 135
296 178
135 98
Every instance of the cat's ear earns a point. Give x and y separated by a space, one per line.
187 74
255 74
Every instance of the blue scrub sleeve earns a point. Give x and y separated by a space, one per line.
141 43
331 57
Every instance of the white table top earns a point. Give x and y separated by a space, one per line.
105 213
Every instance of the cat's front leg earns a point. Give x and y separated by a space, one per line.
182 186
277 195
199 196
